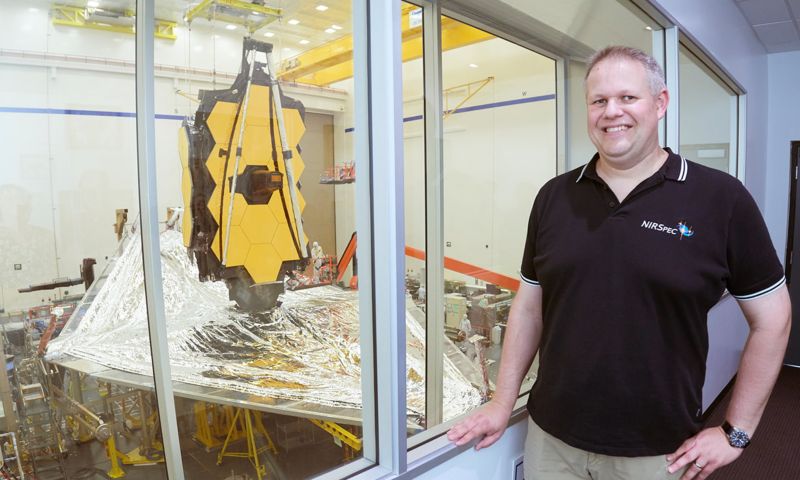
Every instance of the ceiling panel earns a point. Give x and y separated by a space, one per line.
765 11
776 22
776 33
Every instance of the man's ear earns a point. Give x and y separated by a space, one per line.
662 101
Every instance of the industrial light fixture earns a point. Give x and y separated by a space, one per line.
472 65
33 9
649 28
293 21
269 34
92 4
303 42
336 27
230 26
322 8
329 30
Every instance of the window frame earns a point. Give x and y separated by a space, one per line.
738 127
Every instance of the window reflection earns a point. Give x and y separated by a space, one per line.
708 122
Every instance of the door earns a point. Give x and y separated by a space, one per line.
793 252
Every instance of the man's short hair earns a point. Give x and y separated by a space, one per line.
655 74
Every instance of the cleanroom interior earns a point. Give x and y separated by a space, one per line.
70 191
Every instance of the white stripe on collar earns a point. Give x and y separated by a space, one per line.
581 175
684 170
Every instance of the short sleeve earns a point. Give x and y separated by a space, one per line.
753 265
528 269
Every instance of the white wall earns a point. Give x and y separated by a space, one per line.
784 126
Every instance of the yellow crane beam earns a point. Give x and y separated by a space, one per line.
333 61
80 17
234 11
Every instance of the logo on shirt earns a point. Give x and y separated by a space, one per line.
684 230
681 230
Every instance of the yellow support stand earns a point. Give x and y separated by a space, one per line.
114 455
213 423
249 425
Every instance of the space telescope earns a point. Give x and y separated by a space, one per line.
241 167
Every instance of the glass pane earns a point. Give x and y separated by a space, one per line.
499 123
411 28
261 285
708 121
69 226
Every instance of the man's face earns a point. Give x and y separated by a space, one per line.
623 113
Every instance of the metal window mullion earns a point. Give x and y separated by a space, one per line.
388 230
562 126
363 196
151 256
672 72
434 215
741 137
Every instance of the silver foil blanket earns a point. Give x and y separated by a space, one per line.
306 349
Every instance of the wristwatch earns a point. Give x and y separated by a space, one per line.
738 438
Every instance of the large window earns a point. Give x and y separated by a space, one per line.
499 147
708 115
69 219
257 150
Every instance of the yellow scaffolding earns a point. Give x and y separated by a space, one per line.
80 17
343 437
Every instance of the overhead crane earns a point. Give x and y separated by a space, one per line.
333 61
107 20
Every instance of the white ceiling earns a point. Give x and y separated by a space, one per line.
776 22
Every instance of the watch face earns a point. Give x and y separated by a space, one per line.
738 438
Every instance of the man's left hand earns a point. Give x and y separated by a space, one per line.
703 453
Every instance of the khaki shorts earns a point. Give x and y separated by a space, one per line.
548 458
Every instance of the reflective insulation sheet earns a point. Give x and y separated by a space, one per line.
306 349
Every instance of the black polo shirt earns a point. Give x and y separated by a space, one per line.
626 288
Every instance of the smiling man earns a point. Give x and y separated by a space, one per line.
623 260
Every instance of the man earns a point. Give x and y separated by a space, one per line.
623 260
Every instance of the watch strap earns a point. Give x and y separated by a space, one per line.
737 437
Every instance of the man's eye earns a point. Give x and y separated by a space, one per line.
599 102
629 98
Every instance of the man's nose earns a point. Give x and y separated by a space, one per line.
612 108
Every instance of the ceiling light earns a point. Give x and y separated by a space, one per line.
649 28
329 30
293 21
472 65
303 42
33 9
230 27
336 27
322 8
269 34
92 4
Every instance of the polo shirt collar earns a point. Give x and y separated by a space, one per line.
675 168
